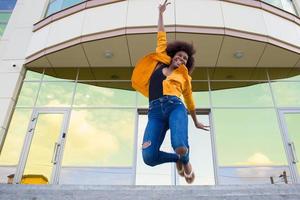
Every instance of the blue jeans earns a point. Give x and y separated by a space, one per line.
164 113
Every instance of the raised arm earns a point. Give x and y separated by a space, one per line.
161 45
162 8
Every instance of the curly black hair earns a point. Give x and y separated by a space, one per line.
176 46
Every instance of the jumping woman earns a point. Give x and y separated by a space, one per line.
164 76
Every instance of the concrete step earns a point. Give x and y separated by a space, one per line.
82 192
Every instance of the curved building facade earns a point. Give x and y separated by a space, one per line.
70 116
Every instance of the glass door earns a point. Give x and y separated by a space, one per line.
290 120
201 156
43 147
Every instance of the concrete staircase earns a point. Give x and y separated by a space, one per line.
82 192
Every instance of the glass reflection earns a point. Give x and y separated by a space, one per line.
92 94
276 3
33 76
100 137
286 93
201 94
252 175
14 139
28 94
250 95
69 3
200 157
55 94
39 161
54 6
292 122
4 16
7 4
286 5
248 137
160 174
2 28
143 102
58 5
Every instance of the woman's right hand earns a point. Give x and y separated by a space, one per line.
162 7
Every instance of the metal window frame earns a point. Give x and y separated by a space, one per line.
287 140
28 138
141 110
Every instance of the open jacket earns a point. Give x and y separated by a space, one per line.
177 83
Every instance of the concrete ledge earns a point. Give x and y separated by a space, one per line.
74 192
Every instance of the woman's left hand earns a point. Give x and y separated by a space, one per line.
162 7
201 126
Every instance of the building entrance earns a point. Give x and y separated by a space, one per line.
43 147
201 155
290 120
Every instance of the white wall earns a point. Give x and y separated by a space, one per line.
143 13
13 47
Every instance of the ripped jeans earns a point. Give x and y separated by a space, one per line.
164 113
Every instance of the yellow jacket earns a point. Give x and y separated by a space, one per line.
177 83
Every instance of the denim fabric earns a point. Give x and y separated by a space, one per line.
164 113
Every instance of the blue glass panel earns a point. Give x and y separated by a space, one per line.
7 4
69 3
4 17
2 27
54 6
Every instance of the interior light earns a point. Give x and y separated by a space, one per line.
108 54
238 54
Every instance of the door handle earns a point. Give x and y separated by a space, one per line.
294 154
55 151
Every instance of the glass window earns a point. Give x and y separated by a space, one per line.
100 94
33 76
276 3
100 137
143 102
4 16
201 94
58 5
7 4
286 93
55 94
252 175
248 137
54 6
2 28
28 94
40 154
69 3
242 94
292 122
286 5
14 140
